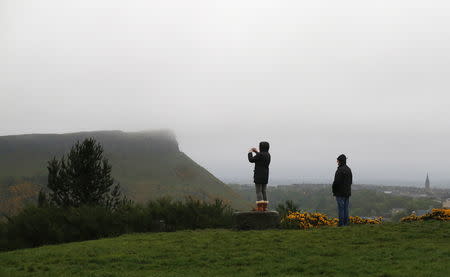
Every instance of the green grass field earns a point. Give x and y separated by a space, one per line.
407 249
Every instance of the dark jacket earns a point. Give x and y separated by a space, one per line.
343 179
262 162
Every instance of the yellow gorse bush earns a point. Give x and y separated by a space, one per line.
305 220
360 220
308 220
436 214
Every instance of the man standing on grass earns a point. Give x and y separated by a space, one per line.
342 189
261 173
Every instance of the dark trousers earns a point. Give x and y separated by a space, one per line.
261 192
342 203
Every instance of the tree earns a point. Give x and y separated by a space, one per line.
83 178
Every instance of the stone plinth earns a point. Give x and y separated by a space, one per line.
256 220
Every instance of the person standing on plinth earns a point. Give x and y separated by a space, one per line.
261 173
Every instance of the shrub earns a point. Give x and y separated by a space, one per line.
304 220
36 226
299 220
360 220
191 214
287 208
435 214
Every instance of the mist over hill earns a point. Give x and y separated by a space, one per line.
148 165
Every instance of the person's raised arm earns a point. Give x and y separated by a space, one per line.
252 158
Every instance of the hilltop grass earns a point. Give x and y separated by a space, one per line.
406 249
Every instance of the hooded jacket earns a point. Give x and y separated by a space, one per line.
343 179
262 162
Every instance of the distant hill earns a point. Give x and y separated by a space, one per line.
148 165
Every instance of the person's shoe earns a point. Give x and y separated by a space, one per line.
264 206
259 206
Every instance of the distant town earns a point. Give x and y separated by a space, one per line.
440 195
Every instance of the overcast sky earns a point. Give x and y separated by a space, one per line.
315 78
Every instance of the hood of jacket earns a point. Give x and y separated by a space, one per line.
264 146
342 160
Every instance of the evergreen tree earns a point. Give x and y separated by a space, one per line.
83 178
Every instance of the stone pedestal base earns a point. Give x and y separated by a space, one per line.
256 220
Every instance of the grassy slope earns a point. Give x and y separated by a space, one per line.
148 165
408 249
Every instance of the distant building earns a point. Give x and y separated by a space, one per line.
427 184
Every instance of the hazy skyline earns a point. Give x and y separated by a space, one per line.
315 79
